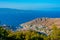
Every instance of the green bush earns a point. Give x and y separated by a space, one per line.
29 35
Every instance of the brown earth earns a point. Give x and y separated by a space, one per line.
44 21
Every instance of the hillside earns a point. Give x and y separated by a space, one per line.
43 21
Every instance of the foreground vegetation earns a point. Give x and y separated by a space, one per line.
29 35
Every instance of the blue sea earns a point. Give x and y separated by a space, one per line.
15 17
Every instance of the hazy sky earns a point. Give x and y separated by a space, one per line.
31 4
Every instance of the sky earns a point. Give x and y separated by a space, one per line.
31 4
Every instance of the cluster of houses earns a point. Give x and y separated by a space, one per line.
8 27
41 28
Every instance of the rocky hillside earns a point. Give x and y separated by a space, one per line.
43 21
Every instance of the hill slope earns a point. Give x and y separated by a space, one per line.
43 21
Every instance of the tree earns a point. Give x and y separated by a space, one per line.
3 33
55 35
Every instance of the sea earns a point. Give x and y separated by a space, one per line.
16 17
